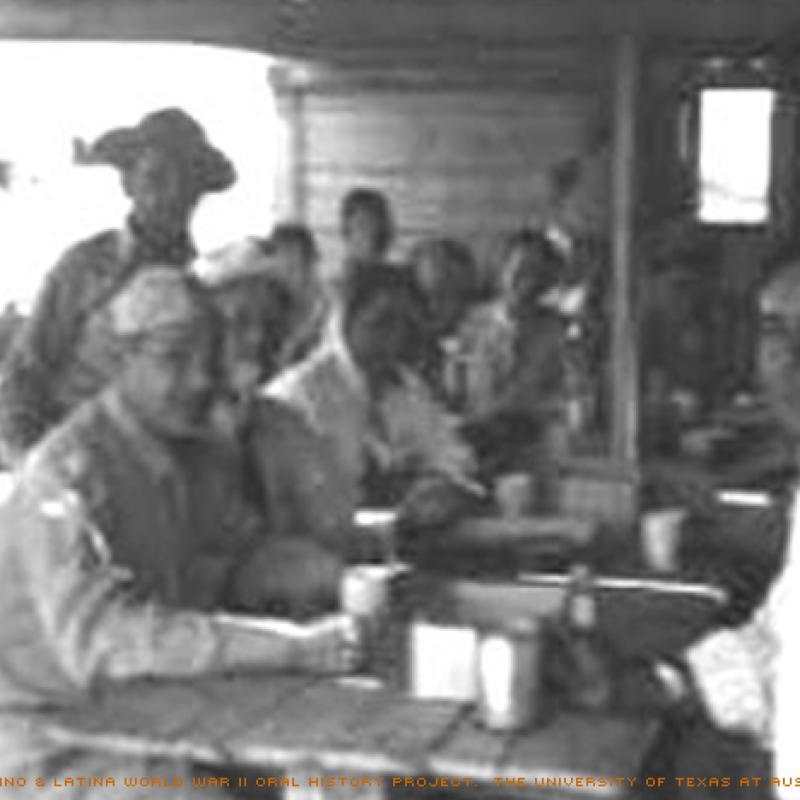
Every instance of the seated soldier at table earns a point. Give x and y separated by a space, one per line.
517 355
359 393
745 676
287 471
120 526
165 492
289 257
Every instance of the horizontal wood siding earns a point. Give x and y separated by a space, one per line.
468 161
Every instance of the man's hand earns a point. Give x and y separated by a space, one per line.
295 575
330 645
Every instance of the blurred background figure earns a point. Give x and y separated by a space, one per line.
358 390
295 260
517 356
447 274
368 229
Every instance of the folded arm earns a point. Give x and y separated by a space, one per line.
97 628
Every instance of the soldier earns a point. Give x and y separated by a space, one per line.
66 350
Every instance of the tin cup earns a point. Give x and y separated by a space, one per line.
661 539
513 494
510 676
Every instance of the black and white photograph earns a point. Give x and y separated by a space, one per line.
399 399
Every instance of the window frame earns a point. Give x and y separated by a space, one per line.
724 72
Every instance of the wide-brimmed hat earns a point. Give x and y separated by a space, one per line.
171 130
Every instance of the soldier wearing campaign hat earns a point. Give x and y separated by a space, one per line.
61 355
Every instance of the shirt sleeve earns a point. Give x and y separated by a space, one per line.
92 620
94 624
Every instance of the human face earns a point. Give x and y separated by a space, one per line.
172 381
164 195
447 299
296 267
254 329
384 335
365 236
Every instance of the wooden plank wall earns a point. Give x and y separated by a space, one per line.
462 152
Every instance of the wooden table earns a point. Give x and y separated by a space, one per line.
307 728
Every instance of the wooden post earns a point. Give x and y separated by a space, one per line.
625 372
290 102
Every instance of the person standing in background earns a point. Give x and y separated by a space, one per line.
368 229
65 351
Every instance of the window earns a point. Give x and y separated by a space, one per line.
53 93
735 155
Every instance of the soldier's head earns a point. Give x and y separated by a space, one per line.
295 258
255 315
167 164
447 274
384 321
530 267
172 373
367 225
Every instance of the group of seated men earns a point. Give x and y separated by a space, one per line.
192 435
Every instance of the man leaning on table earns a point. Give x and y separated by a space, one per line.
746 677
83 604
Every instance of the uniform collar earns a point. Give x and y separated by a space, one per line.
139 246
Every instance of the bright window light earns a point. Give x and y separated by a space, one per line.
54 92
735 158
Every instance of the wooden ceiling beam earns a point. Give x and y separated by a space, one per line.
325 27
